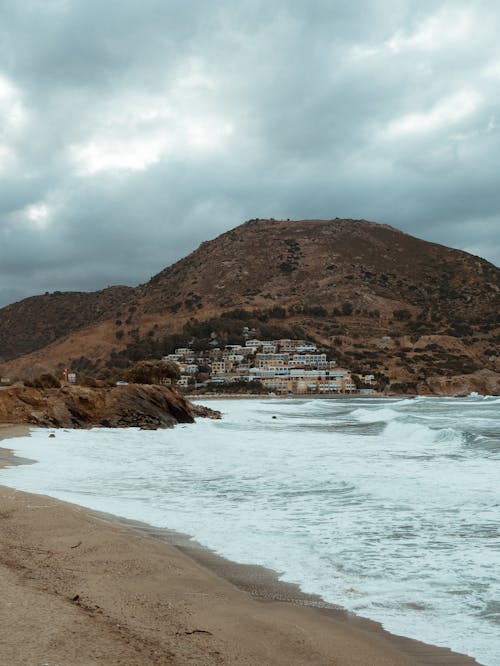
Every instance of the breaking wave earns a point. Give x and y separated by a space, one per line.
389 508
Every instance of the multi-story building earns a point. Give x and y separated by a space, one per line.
312 359
171 357
253 343
260 373
286 345
267 346
218 367
263 359
283 366
306 348
233 357
277 384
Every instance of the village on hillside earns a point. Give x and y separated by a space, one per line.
279 366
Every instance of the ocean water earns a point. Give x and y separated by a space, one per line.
389 508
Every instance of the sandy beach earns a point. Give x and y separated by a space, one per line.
80 588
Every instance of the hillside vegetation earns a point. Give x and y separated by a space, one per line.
376 299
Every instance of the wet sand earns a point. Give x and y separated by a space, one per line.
80 588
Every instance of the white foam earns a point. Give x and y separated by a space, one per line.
397 522
365 415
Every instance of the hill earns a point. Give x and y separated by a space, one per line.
378 299
37 321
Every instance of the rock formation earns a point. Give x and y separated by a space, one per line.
134 405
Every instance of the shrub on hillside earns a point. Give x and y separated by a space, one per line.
153 372
347 309
402 315
46 381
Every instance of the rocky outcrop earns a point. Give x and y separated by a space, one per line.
204 412
484 382
134 405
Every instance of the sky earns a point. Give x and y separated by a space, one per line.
133 130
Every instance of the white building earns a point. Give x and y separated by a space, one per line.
268 346
287 345
264 359
308 359
305 374
238 349
306 347
338 372
183 351
234 357
269 372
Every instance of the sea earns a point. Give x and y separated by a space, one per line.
389 508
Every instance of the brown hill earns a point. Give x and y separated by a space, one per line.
380 300
316 262
37 321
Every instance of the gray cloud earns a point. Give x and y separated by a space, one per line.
131 132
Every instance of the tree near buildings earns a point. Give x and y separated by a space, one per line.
153 372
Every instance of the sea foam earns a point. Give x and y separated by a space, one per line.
390 508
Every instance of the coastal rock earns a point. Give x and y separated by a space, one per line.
134 405
205 412
484 382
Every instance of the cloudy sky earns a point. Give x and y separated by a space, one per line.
132 130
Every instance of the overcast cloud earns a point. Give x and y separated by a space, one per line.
132 130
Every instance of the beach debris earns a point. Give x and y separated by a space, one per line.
76 598
194 631
76 545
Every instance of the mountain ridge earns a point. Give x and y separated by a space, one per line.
348 284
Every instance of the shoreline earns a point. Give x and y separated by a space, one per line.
330 396
10 431
212 590
281 396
